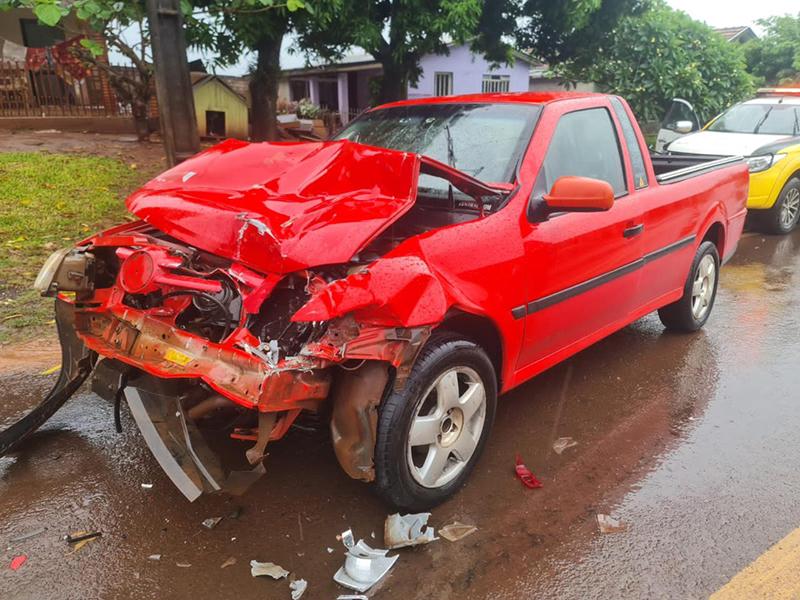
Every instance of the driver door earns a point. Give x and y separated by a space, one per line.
680 120
582 275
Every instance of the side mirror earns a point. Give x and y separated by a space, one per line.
684 127
579 194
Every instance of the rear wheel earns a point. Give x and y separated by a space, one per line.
692 310
431 433
782 218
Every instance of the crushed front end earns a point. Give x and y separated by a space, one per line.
182 334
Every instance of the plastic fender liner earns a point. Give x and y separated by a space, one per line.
76 364
354 422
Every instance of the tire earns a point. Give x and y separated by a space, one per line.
691 312
456 424
782 218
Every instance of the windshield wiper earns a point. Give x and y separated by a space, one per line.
764 118
451 154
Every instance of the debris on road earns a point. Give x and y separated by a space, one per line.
363 566
267 569
183 565
51 370
211 522
608 524
456 531
80 538
298 587
330 550
26 536
525 475
147 486
563 443
407 530
351 597
154 557
236 513
229 562
18 561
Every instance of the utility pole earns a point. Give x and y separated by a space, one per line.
173 84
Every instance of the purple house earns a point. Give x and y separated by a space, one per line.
345 86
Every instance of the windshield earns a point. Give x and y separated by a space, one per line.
771 119
482 140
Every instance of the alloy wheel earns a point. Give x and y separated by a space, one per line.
703 286
447 427
790 209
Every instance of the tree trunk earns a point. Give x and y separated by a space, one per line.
393 82
264 89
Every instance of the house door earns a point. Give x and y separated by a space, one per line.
215 123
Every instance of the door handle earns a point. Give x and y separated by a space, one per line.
630 232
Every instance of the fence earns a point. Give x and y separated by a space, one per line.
52 92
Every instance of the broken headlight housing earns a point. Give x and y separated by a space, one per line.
66 270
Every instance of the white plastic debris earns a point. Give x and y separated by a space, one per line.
563 443
211 522
351 597
608 524
154 557
298 587
456 531
330 550
147 486
267 569
407 530
363 566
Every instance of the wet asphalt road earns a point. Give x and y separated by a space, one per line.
691 440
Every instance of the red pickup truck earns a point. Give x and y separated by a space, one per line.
393 280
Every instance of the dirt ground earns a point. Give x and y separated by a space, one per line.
690 440
147 156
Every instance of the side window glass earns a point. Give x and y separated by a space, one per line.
585 144
629 133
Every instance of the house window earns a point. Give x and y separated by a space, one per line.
495 83
298 89
215 123
443 84
36 35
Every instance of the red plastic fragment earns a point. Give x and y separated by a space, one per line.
524 474
18 561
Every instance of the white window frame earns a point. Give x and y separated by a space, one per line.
443 83
494 84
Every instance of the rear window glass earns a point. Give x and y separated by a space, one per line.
628 132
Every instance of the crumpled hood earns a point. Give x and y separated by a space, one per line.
281 207
720 143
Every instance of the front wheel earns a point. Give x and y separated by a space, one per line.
692 310
782 218
431 433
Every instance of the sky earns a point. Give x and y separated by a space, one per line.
730 13
717 13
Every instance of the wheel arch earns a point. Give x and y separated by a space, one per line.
715 233
481 330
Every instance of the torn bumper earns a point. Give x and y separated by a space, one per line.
180 449
155 347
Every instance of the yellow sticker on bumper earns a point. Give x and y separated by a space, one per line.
177 357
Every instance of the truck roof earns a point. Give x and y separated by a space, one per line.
515 97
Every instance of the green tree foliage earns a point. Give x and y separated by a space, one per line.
230 27
775 58
398 33
662 54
